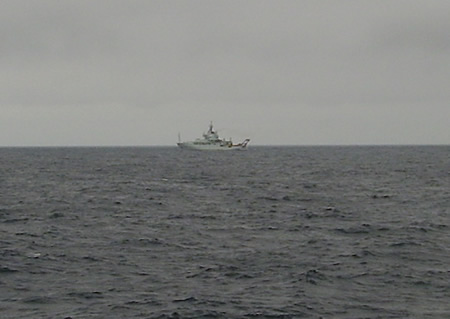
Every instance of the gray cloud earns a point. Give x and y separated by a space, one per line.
238 57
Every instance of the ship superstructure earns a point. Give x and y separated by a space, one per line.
211 141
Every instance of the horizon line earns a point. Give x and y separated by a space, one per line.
250 146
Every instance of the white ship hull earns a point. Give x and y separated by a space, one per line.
211 147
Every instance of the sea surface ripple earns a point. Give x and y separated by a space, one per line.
273 232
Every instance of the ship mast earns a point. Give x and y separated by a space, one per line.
210 127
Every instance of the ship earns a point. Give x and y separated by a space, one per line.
212 142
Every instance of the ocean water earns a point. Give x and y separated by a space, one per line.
273 232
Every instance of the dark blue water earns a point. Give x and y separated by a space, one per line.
301 232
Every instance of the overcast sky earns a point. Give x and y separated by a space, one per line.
109 72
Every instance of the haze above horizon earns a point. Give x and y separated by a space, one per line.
120 73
